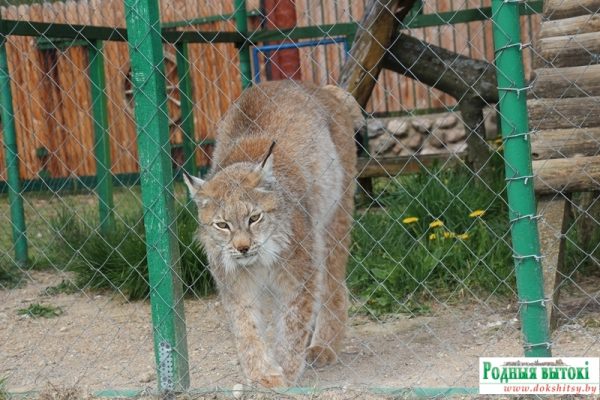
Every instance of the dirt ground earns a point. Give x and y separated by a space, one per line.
102 341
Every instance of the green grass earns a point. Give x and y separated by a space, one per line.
37 310
3 391
64 287
118 261
398 266
395 266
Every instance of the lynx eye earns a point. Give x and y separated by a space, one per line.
222 225
255 218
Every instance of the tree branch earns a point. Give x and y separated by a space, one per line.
459 76
471 82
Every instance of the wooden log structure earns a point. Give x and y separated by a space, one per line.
561 9
582 81
564 113
557 113
567 175
570 50
565 143
570 26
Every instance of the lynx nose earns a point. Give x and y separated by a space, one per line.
241 242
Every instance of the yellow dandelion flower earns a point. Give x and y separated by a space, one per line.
433 236
448 235
436 224
410 220
477 213
463 236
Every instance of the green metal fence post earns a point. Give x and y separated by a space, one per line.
241 24
104 183
521 196
146 54
187 108
15 198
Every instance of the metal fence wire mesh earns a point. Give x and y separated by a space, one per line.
404 187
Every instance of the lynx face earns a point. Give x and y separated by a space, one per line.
242 223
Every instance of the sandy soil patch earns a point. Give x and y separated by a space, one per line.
102 341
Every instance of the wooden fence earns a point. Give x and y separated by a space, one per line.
51 93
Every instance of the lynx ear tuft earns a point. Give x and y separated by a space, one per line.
266 166
193 183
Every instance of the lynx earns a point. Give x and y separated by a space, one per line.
275 216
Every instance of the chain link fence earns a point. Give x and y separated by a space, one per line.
436 203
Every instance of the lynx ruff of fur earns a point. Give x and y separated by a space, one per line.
275 226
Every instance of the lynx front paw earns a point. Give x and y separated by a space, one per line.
319 356
270 381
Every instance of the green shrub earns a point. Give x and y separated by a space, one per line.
118 261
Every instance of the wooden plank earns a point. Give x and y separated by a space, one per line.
569 50
555 212
559 9
570 26
567 175
53 108
564 113
565 143
34 76
583 81
392 166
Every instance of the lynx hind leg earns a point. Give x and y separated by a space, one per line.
332 317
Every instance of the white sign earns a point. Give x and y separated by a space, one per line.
528 375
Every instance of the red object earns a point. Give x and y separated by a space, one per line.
285 64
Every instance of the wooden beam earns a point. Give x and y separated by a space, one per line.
360 72
569 50
566 175
570 26
565 143
558 9
392 166
564 113
580 81
556 218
